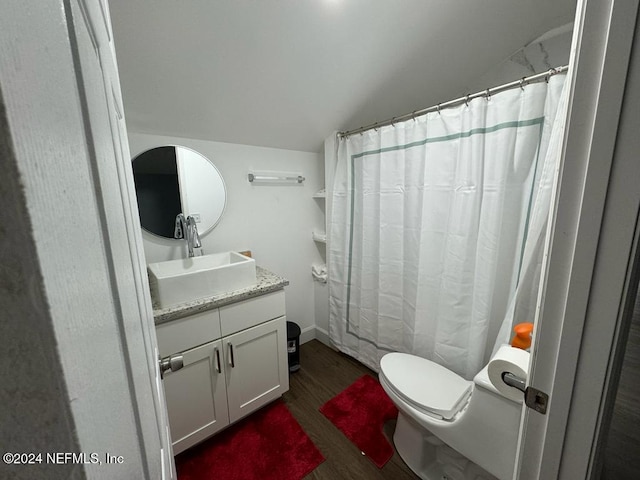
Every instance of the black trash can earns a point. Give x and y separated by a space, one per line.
293 346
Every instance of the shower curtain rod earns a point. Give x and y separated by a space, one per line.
452 103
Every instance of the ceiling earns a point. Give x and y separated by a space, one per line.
286 73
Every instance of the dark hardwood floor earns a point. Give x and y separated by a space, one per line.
323 374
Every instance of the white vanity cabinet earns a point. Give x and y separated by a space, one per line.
234 362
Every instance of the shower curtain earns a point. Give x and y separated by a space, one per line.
436 226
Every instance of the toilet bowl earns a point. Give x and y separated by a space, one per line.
449 427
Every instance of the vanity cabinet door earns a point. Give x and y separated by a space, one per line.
256 365
196 396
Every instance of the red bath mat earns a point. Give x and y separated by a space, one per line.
268 445
360 412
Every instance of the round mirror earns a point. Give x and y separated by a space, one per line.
171 180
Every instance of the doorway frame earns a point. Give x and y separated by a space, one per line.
588 273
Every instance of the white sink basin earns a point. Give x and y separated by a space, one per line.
181 281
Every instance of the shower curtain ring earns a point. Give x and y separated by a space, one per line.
413 115
393 122
438 109
487 94
552 71
466 100
522 80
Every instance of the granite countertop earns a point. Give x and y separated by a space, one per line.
266 282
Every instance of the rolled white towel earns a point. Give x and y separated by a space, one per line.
319 273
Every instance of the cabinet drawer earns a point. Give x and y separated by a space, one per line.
185 333
248 313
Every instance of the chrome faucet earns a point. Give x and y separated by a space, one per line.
193 238
187 230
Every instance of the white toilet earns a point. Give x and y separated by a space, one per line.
449 427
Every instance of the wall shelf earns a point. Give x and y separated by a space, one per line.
320 194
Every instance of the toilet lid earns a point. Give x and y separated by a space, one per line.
425 385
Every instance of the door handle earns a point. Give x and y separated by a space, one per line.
533 398
514 381
218 366
173 363
231 360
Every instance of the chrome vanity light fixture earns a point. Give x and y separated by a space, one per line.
278 178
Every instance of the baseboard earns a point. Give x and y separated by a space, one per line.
315 333
307 334
323 336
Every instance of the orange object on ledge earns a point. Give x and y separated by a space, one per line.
523 335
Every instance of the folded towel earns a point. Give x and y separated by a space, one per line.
319 273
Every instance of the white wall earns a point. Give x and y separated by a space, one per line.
548 51
273 221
